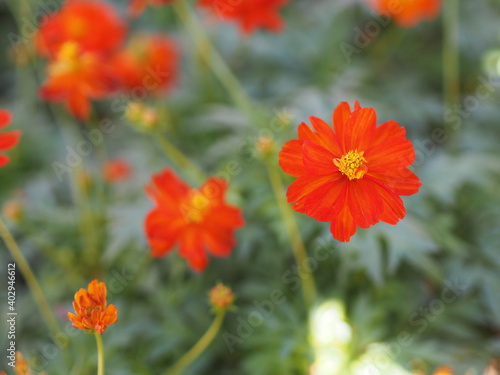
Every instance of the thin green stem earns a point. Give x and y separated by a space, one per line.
199 347
299 250
451 67
174 154
100 354
213 59
30 278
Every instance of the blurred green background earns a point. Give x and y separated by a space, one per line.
390 285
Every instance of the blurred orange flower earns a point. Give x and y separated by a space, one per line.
116 170
75 77
249 14
407 13
443 370
22 366
92 24
92 311
351 175
136 7
148 63
8 140
199 220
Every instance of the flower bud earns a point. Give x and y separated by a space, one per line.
221 297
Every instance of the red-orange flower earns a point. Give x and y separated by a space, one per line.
22 366
116 170
94 25
136 7
407 13
75 77
351 175
8 140
92 311
147 65
442 370
198 220
249 14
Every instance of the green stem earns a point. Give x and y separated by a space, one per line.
199 347
100 354
299 250
174 154
30 278
451 67
213 59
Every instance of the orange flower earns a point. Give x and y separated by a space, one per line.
75 77
407 13
351 175
22 366
250 14
116 170
136 7
199 220
149 63
8 140
94 25
92 311
444 370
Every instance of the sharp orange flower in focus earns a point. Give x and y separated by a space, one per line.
249 14
92 24
136 7
351 175
8 140
148 63
92 311
75 77
116 170
198 220
407 13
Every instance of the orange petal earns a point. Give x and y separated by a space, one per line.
326 202
304 185
394 153
394 209
402 182
79 105
360 129
327 135
343 227
10 139
5 118
365 204
290 158
4 160
191 248
340 116
318 160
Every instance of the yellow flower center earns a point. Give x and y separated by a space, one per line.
352 164
67 59
195 208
